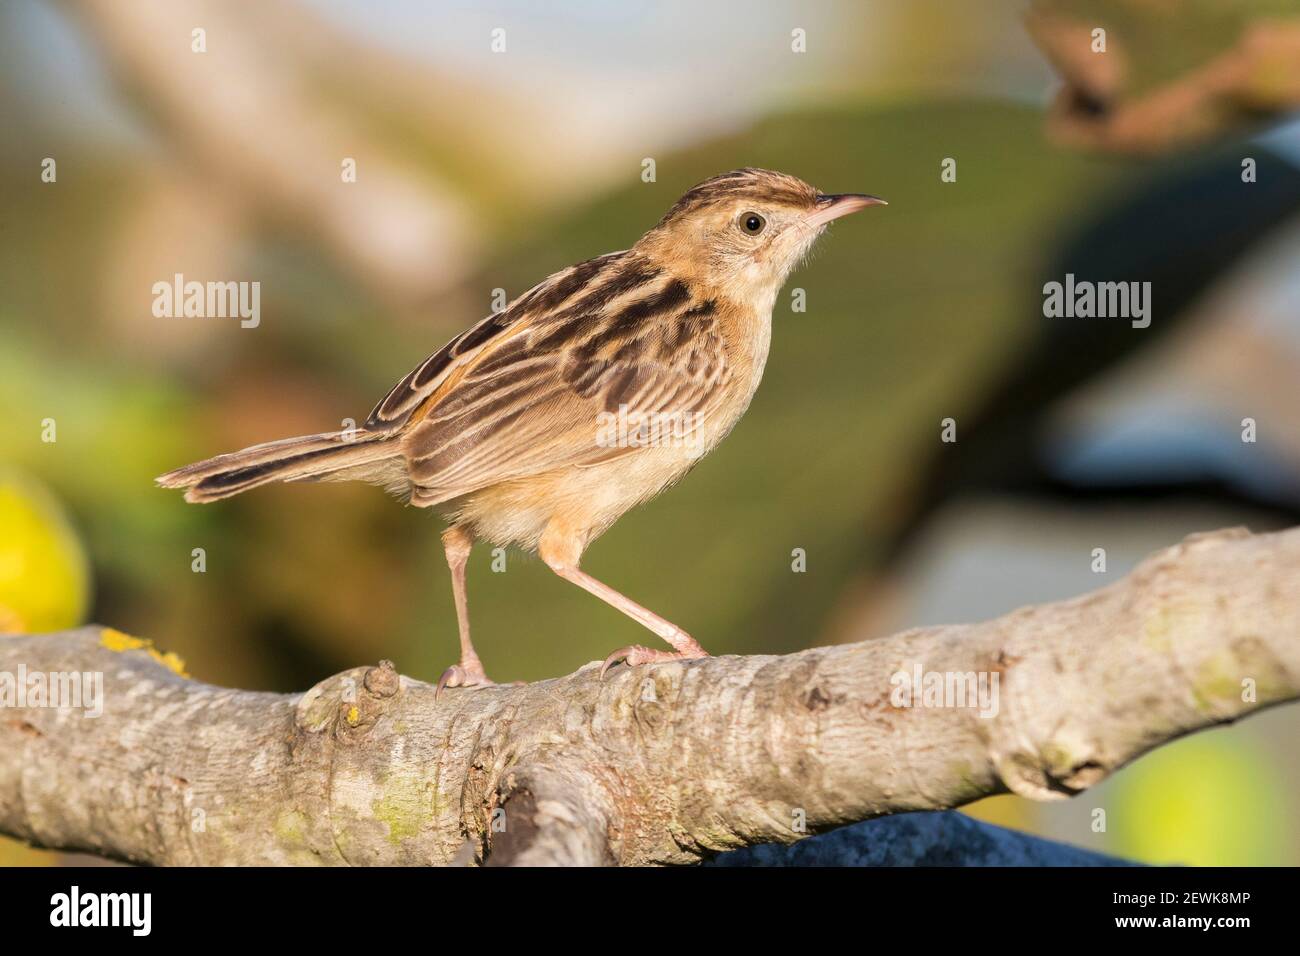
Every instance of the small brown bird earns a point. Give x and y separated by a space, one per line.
590 393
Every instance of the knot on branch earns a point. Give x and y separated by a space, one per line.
383 681
350 702
1065 764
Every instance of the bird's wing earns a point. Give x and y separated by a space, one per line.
627 361
407 396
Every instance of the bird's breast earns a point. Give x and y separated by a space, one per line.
748 340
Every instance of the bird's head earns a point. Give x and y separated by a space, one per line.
743 232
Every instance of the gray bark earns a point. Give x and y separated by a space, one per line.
666 764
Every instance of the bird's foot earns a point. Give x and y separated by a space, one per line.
635 654
465 674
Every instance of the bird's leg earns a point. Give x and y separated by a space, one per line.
684 646
561 554
469 672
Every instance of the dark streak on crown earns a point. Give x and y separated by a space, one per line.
762 185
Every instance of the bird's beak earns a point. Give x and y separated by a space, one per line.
832 207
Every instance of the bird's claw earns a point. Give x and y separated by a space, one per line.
635 654
464 674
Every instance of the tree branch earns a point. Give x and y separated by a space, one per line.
1254 78
663 764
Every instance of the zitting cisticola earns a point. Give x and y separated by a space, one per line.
590 393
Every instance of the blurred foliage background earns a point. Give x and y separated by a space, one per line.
479 170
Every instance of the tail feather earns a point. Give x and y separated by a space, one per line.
344 455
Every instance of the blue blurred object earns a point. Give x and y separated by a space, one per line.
924 838
1169 442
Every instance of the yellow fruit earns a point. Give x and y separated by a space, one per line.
44 578
1212 799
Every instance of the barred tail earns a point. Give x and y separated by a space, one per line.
356 455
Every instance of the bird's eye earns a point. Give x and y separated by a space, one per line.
752 223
